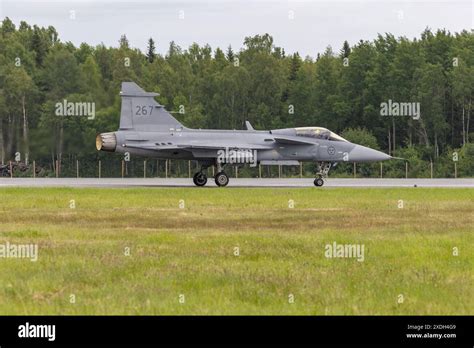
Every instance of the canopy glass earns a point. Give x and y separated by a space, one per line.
319 133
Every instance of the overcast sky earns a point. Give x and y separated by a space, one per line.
304 26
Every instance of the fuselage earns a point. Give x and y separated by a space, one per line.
274 145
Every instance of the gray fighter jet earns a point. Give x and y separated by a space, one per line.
147 129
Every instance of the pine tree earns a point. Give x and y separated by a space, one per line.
151 50
39 45
295 66
345 50
230 54
123 42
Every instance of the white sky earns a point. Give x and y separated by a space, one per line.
315 24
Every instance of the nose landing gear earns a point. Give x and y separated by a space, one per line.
322 173
318 182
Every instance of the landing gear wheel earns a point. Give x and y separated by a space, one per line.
318 182
200 179
221 179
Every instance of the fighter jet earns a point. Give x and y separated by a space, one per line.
147 129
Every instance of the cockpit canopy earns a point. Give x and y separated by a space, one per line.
318 133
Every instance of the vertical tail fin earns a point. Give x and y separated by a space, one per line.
141 112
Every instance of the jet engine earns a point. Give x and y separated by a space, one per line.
106 142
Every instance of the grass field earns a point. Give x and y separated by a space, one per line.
182 259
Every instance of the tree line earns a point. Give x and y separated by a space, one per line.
342 90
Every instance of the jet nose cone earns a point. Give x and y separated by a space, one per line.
364 154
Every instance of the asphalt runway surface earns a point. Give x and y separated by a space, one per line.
240 182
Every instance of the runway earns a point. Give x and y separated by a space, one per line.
241 182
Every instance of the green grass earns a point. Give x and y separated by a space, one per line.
190 251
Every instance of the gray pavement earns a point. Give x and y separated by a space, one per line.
241 182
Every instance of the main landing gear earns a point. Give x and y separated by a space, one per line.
200 179
322 173
221 178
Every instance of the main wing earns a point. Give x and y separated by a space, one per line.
198 150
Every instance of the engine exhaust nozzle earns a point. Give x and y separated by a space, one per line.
106 142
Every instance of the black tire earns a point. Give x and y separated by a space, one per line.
318 182
221 179
200 179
